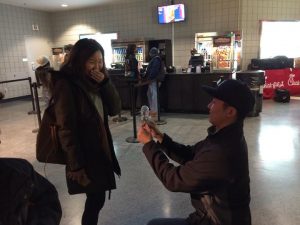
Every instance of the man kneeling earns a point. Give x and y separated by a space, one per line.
215 170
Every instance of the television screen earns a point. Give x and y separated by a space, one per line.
171 13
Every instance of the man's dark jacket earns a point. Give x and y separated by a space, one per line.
26 198
214 171
153 69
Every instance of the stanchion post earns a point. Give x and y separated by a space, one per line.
120 118
38 110
159 121
132 96
32 97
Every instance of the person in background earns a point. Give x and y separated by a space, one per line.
26 197
43 76
43 65
214 171
195 60
1 95
83 97
131 63
67 49
152 72
131 68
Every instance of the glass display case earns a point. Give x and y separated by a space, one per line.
221 51
119 54
119 51
204 45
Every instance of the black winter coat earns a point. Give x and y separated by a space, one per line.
85 136
26 198
131 65
214 171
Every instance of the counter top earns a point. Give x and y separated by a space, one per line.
200 74
121 73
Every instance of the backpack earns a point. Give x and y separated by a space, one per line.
48 148
281 95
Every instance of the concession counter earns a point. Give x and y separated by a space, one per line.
180 92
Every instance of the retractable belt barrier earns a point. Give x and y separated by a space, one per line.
30 87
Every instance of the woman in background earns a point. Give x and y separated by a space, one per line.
131 63
83 98
132 70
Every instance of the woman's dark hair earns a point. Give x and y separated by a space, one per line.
130 50
81 52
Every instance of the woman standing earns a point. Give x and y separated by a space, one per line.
84 97
131 63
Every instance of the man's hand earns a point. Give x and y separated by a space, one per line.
144 136
151 127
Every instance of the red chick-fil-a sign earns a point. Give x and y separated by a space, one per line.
282 78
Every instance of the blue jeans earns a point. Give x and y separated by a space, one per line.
168 221
152 96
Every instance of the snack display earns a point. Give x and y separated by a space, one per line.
223 53
223 57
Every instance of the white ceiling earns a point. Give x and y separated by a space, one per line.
55 5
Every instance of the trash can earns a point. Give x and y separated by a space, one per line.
255 81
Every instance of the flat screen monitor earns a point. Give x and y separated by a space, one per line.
171 13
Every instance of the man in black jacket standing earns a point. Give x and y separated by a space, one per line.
215 170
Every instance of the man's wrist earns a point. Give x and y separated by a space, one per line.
160 138
148 141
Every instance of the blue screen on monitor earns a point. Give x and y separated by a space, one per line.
171 13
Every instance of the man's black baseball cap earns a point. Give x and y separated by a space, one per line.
234 93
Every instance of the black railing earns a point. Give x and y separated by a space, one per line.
30 88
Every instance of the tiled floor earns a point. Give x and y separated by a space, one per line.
273 141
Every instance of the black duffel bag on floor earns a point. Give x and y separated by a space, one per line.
281 95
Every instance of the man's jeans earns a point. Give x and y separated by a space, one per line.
152 96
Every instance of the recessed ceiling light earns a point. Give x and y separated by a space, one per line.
64 5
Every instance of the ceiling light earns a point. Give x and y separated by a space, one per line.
64 5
